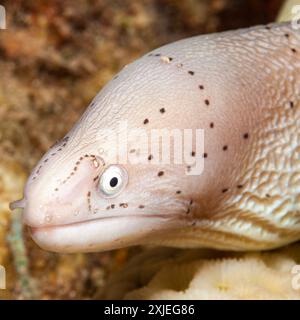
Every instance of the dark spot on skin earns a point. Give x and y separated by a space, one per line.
291 104
112 206
63 141
45 160
55 144
38 170
240 186
162 110
108 207
189 206
141 206
293 50
96 178
193 153
53 154
146 121
286 35
191 73
211 125
56 189
268 27
157 55
89 200
170 58
132 151
206 102
246 135
123 205
188 168
268 196
150 157
178 191
160 173
194 223
224 190
205 155
201 87
225 148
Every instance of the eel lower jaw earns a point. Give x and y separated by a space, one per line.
101 234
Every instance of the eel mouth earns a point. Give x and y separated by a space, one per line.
101 234
78 223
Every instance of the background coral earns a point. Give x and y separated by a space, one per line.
202 274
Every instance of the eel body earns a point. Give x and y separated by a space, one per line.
241 88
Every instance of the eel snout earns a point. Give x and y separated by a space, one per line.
58 192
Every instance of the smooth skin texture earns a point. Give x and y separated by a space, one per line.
242 87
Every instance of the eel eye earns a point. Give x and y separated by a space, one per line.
112 181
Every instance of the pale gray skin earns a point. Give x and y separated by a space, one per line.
241 87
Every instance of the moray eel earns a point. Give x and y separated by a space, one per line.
242 88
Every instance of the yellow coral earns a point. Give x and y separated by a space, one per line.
198 274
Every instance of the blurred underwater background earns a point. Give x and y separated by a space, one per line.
54 57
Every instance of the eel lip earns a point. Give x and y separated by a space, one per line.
49 227
97 235
17 204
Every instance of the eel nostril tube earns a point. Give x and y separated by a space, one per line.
17 204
